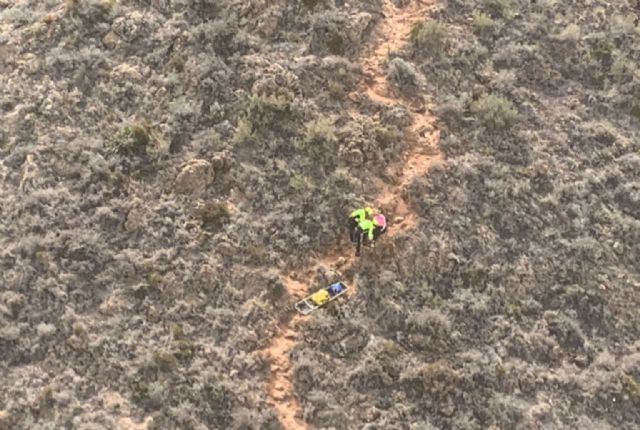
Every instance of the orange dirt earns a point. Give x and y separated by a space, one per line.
422 143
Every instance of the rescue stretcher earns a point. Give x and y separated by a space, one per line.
320 298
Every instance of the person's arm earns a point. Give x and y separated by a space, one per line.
370 233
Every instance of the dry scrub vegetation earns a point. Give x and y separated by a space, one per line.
162 160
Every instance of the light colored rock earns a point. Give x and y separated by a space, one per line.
45 329
135 219
10 333
194 177
112 401
126 423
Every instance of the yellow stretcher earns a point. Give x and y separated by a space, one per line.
320 298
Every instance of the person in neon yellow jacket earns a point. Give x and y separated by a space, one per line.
355 218
370 230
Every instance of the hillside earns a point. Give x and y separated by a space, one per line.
176 173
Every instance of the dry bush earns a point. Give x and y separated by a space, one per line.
495 112
429 37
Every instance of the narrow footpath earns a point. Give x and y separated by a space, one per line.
422 149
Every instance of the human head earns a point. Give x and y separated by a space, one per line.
380 221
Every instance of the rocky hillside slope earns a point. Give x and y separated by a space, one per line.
164 161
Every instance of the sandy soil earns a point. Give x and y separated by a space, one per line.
422 150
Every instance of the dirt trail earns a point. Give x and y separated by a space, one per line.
422 150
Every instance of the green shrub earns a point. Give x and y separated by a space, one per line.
319 140
429 36
138 140
300 183
337 90
213 214
244 131
265 111
336 45
177 331
571 33
495 112
177 62
154 278
45 398
132 140
387 136
164 360
631 389
70 6
482 22
498 8
623 69
184 350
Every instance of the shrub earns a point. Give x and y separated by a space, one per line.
429 37
482 22
213 214
244 131
177 62
164 360
631 388
138 140
132 139
571 33
184 350
622 69
310 3
319 140
405 75
495 112
45 399
265 109
387 136
300 183
498 8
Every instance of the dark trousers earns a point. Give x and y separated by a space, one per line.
353 229
360 237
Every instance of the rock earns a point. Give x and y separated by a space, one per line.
355 156
10 333
135 219
5 417
126 423
114 402
268 26
45 329
338 34
447 407
397 116
405 75
111 40
194 177
14 301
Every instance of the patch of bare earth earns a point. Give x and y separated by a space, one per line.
422 150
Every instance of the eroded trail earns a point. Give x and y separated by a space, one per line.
422 150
